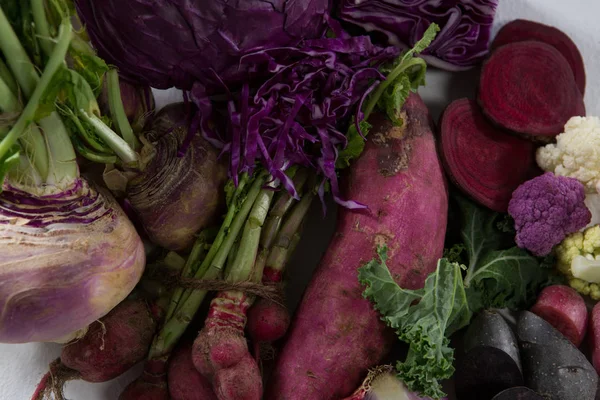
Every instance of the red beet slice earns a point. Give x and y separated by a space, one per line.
521 30
529 88
485 162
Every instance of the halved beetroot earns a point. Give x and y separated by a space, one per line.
528 87
482 160
521 30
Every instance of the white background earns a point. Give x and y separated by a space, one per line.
23 365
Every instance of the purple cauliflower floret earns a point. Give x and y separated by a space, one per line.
546 209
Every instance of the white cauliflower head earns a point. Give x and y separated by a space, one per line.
576 153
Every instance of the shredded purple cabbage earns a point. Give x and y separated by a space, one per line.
293 117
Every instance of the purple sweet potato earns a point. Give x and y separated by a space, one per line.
529 88
521 30
185 382
565 310
483 161
336 335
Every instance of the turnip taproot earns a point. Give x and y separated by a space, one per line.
185 382
564 309
521 30
529 88
482 160
336 335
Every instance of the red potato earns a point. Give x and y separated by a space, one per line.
529 88
185 382
521 30
336 335
594 332
564 309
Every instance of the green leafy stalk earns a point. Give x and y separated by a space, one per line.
114 141
7 78
29 112
42 27
422 318
117 111
210 269
8 100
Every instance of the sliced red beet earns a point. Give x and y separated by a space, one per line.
565 310
529 88
485 162
521 30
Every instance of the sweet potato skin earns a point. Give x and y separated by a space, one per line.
336 335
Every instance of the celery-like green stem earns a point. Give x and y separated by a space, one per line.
177 324
41 26
32 140
281 205
374 98
279 254
62 165
114 141
7 77
192 263
16 57
55 62
117 111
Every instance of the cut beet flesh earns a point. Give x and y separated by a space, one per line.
528 87
521 30
483 161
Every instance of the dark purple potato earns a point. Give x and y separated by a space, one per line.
175 197
552 365
518 393
489 362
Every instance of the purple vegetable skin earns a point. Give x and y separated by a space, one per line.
138 103
546 209
166 43
175 197
465 26
67 260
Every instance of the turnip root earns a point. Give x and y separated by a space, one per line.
114 344
175 197
336 335
521 30
185 382
515 90
110 347
564 309
483 161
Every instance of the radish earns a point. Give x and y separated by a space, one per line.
110 347
336 335
483 161
521 30
514 90
185 382
565 310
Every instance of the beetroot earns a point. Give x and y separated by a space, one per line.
565 310
484 162
185 382
521 30
529 88
267 321
152 385
114 345
336 336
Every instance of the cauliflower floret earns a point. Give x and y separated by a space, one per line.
578 258
576 153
